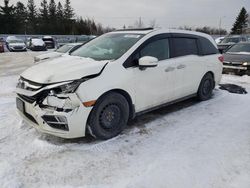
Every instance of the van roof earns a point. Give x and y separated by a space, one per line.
160 30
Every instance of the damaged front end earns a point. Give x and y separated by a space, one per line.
55 108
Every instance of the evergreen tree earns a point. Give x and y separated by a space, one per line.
68 10
59 11
52 17
21 16
68 14
7 18
32 17
241 22
43 16
59 17
49 19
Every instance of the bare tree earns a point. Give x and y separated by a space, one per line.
139 23
152 23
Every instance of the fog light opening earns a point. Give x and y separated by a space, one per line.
56 122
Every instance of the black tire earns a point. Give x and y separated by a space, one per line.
242 73
206 87
109 116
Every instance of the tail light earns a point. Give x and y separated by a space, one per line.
221 59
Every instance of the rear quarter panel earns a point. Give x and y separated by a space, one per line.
215 66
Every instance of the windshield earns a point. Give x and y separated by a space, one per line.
110 46
240 48
64 48
16 41
228 40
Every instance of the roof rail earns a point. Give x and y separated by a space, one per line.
136 29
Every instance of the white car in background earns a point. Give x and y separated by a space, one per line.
36 44
219 40
15 44
67 48
115 77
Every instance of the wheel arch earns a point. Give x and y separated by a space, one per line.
127 97
211 72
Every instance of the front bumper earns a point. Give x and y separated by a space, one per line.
234 67
74 112
38 48
17 48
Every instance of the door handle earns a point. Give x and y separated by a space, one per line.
181 66
169 69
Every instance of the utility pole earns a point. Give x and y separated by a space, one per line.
140 23
220 27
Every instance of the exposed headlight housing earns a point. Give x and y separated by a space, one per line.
69 87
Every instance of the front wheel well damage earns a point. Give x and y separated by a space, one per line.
127 97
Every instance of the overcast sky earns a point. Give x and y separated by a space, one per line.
166 13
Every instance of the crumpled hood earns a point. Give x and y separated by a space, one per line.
64 68
49 55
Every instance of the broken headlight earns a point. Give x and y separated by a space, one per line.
67 88
70 87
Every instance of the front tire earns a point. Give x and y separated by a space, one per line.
206 87
109 116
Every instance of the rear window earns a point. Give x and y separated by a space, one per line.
184 46
231 40
207 47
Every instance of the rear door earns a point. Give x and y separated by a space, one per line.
189 68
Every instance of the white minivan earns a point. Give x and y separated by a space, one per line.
115 77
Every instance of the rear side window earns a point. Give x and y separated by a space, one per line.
207 47
184 46
158 49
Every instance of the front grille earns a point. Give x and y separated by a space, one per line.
18 47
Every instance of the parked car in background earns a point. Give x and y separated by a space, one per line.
115 77
36 44
229 41
50 42
1 45
219 40
237 59
65 40
85 38
67 48
15 44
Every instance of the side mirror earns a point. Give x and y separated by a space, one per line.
147 62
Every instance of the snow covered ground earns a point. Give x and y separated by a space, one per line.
186 145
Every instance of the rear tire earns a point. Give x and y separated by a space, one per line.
206 87
109 116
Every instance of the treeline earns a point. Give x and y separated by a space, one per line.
206 29
49 18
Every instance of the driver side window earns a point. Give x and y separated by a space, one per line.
158 49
